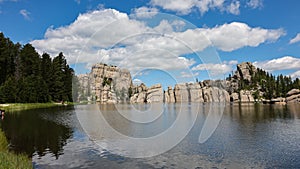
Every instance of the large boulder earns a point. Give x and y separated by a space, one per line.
155 94
142 94
246 96
293 96
234 97
215 94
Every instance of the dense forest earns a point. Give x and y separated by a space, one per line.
268 86
27 77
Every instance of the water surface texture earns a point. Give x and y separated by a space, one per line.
247 136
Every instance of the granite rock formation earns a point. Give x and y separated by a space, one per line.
105 84
293 96
142 94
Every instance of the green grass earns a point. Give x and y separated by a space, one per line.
9 160
26 106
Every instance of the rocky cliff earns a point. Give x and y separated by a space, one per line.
105 84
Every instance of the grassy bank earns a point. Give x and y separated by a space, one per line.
26 106
9 160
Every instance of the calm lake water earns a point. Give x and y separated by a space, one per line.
246 136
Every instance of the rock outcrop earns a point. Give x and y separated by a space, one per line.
199 92
110 84
105 84
245 71
293 96
234 97
181 92
169 95
246 96
142 94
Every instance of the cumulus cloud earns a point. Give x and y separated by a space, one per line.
235 35
144 12
283 63
295 74
188 74
255 4
182 6
25 14
295 39
113 37
216 69
187 6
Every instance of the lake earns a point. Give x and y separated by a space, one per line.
158 136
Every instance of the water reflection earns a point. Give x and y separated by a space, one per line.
247 136
28 132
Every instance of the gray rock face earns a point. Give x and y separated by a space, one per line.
246 96
106 84
84 88
170 95
155 94
214 94
181 92
245 71
293 96
194 92
234 97
147 95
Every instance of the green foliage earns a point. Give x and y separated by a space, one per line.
269 84
106 81
27 77
9 160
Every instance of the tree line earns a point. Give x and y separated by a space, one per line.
27 77
270 85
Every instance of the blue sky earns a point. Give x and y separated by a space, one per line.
186 39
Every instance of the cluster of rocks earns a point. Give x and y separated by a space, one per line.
187 92
110 84
142 94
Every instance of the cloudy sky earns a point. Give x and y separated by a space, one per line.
166 41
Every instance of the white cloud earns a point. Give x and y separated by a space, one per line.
188 74
295 39
181 6
229 37
187 6
216 69
255 4
25 14
137 81
234 8
295 74
113 37
283 63
144 12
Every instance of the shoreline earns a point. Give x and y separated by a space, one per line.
11 107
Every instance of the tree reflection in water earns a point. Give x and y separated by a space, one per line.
38 131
